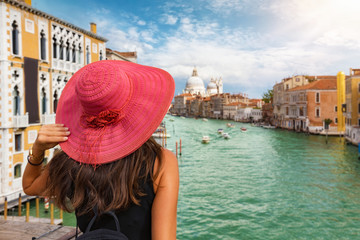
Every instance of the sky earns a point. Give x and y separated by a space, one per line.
251 44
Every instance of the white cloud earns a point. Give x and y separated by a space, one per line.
300 37
141 23
169 19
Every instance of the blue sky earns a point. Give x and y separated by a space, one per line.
251 44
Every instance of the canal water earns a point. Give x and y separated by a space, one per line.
263 183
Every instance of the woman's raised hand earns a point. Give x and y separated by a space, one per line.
49 136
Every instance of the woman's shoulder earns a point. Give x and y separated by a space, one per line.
169 169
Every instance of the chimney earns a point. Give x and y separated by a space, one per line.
92 27
28 2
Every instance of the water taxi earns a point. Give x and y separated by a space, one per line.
226 136
205 139
230 125
268 126
243 129
220 131
204 119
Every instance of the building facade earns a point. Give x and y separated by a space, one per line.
308 106
352 106
38 55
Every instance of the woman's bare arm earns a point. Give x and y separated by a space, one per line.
35 177
164 209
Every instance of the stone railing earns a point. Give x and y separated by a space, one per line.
48 118
21 121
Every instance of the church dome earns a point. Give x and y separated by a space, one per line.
195 84
211 86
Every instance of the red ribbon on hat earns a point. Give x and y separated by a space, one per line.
104 118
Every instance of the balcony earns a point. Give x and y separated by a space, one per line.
48 118
21 121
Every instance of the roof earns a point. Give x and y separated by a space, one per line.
123 54
30 9
323 84
255 100
235 104
184 95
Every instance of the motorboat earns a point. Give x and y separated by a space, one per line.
205 139
226 135
182 117
161 135
160 132
268 126
243 129
204 119
220 131
230 125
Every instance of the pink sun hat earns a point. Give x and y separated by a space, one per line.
112 108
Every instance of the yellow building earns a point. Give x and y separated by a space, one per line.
38 55
352 114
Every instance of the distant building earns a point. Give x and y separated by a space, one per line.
179 107
306 107
230 110
352 107
195 85
38 55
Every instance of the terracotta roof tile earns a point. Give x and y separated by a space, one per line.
323 84
184 95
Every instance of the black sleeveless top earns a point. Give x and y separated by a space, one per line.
135 221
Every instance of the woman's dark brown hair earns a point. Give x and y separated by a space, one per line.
110 186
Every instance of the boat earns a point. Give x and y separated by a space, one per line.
243 129
182 117
171 119
205 119
220 131
161 135
268 126
226 135
205 139
160 132
230 125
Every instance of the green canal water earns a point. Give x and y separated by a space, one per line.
263 184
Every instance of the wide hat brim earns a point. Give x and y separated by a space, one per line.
147 102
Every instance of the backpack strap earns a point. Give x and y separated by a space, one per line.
92 221
115 219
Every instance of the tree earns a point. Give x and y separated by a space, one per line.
327 122
268 96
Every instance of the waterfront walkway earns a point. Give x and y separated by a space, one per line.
17 228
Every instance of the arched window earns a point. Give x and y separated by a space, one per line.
16 97
43 101
42 45
101 56
55 101
87 55
68 51
17 171
54 47
79 55
15 38
73 53
61 49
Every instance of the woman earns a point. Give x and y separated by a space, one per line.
106 115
